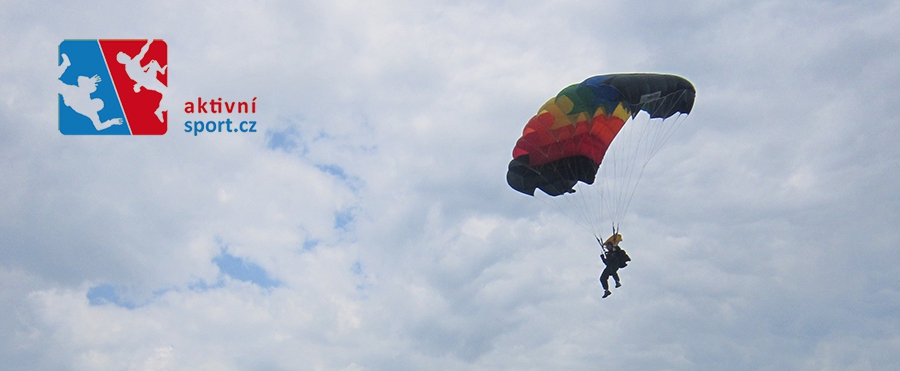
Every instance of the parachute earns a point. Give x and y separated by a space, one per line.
589 145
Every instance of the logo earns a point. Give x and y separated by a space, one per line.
112 87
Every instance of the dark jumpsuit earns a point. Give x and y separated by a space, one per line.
613 262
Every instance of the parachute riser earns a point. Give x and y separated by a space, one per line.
602 247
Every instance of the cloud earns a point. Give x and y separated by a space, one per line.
367 226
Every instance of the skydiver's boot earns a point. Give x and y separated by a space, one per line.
606 293
618 284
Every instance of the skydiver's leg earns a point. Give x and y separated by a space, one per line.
604 279
615 276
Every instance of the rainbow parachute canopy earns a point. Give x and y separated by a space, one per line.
565 142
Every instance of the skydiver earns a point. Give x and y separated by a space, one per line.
144 76
78 97
614 258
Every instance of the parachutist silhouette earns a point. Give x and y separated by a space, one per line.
144 76
78 97
614 258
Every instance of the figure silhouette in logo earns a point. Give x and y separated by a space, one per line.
144 76
78 97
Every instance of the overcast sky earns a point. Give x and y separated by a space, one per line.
367 225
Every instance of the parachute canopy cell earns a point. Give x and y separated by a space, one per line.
565 142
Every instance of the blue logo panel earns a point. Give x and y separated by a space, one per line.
88 103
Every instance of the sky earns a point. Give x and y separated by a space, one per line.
367 224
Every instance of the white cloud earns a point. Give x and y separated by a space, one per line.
763 235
